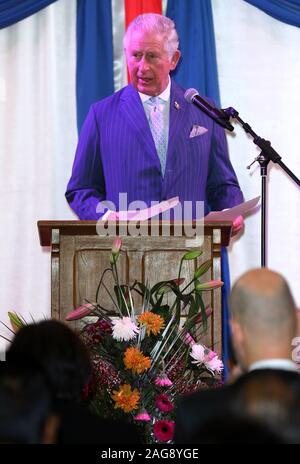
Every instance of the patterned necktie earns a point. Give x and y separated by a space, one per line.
156 121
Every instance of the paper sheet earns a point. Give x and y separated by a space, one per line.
232 213
143 214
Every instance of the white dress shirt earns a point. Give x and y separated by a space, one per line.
282 364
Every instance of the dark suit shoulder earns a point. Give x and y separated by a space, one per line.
114 99
260 375
268 374
201 395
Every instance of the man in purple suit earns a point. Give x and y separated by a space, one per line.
147 141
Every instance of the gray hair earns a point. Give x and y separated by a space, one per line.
152 22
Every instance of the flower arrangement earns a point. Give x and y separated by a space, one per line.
144 357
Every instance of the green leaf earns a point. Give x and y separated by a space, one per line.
113 258
193 308
158 302
167 287
142 287
202 269
163 290
192 255
122 301
163 311
155 287
200 302
15 320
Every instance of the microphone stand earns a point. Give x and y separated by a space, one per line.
267 153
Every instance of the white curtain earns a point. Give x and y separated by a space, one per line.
259 74
37 141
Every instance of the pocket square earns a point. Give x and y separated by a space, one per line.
197 130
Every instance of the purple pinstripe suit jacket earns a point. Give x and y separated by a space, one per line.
116 153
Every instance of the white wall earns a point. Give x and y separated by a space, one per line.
259 74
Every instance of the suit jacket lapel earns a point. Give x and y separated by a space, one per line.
178 107
134 114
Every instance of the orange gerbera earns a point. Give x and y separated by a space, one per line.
136 361
126 398
154 323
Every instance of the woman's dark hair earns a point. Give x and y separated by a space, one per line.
58 351
25 403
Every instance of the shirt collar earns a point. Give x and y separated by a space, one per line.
165 95
282 364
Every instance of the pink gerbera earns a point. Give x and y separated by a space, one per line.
164 430
143 417
163 381
163 403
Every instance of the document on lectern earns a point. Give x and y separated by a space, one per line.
143 214
232 213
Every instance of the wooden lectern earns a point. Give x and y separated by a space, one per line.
79 255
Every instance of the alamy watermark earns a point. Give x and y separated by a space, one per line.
184 219
296 350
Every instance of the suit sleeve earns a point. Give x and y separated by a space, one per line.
192 412
180 436
222 188
86 187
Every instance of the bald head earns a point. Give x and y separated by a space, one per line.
261 302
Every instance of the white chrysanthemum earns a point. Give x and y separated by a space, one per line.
124 329
215 365
198 353
208 358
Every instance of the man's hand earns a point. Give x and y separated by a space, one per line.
237 225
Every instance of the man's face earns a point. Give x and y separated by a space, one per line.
148 62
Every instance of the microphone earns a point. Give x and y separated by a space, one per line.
218 115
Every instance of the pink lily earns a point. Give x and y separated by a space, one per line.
116 246
80 312
178 281
189 339
210 285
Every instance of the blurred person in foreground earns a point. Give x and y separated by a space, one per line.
26 406
264 324
65 360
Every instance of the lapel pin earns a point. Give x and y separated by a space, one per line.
177 106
